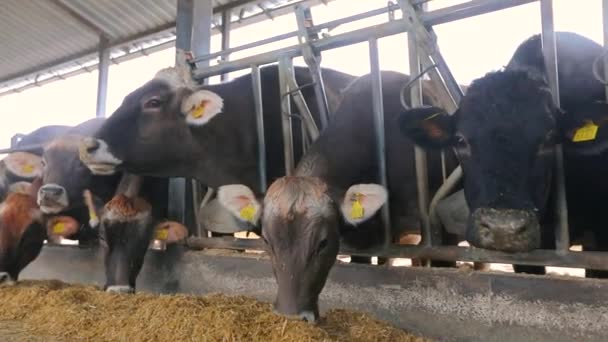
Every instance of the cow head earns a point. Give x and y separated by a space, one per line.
150 133
126 229
300 226
503 133
21 231
64 176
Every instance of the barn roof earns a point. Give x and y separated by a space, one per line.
45 40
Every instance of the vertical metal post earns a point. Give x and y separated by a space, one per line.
286 71
102 78
605 26
378 106
193 35
313 60
226 26
562 238
422 181
259 114
427 43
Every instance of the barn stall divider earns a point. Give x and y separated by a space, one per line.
476 306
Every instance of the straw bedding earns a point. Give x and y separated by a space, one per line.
78 312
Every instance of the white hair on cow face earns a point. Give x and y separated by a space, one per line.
176 77
289 196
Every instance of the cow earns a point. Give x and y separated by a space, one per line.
504 134
333 195
128 224
166 129
64 180
23 229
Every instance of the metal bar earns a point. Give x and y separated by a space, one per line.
285 72
540 257
313 60
357 36
421 164
605 27
226 24
259 114
378 106
308 121
562 238
427 43
469 9
102 78
441 16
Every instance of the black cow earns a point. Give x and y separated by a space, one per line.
331 195
504 134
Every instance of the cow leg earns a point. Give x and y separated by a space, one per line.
529 269
29 248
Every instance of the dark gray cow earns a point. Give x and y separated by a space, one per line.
504 134
168 130
332 196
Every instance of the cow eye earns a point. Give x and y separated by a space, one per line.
43 163
154 102
322 245
461 142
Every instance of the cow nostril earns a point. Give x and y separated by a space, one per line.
91 144
307 316
52 191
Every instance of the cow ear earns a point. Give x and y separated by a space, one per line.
59 227
201 106
585 129
241 202
170 232
362 201
429 127
23 164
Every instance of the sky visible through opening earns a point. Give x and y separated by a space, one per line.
471 47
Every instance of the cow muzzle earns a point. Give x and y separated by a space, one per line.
96 155
507 230
6 279
52 198
120 289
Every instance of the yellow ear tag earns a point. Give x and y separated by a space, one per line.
586 133
92 215
199 110
248 213
59 228
356 211
162 234
27 168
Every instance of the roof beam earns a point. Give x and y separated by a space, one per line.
80 18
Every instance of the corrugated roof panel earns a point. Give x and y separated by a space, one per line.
40 39
36 33
120 19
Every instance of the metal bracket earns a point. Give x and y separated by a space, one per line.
312 58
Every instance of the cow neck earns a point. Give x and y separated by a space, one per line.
224 152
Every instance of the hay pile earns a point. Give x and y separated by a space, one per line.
77 312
